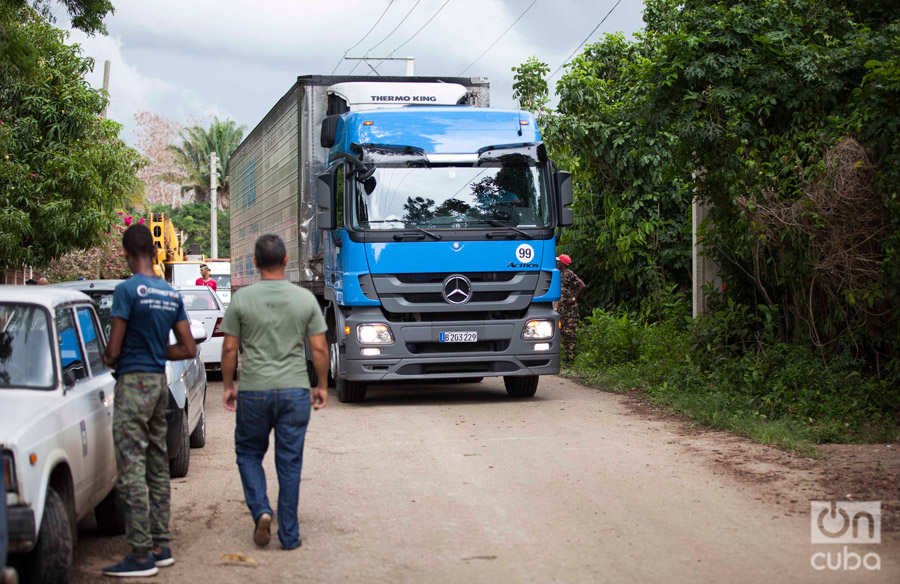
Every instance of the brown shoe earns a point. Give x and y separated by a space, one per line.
261 534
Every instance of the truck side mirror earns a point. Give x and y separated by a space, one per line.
325 188
564 188
329 131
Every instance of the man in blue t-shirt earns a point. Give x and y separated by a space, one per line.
145 308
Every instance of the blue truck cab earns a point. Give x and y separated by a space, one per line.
437 225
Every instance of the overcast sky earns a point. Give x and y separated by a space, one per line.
191 59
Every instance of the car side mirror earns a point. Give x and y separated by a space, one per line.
566 198
68 378
326 186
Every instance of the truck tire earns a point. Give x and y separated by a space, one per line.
350 391
198 436
110 514
178 466
51 557
333 356
520 386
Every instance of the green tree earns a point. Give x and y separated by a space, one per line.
530 88
194 220
192 157
63 170
783 117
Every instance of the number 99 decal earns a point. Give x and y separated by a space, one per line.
524 253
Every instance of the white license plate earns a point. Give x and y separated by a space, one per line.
468 337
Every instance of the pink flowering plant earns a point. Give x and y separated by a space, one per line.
103 261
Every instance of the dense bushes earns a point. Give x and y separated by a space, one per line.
727 371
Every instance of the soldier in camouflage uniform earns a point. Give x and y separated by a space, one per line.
567 307
145 308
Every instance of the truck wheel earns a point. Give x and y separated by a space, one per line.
110 514
51 557
178 466
350 391
198 436
333 365
520 386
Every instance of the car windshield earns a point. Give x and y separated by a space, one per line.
504 187
223 281
199 300
26 355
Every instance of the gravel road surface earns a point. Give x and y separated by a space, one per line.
458 483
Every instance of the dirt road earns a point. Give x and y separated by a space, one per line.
457 483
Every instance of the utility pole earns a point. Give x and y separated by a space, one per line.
105 86
213 206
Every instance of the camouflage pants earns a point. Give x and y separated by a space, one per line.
139 432
568 320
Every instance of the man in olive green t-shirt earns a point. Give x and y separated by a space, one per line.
273 320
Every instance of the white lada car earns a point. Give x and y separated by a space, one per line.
56 396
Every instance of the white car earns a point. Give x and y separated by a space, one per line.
204 305
56 396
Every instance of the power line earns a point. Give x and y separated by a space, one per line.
585 40
422 27
387 37
362 39
395 28
498 38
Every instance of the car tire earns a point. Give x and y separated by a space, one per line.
520 386
178 466
198 436
51 557
110 514
349 391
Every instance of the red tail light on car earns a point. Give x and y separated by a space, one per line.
217 332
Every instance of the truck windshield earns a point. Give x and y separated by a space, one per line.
411 191
26 356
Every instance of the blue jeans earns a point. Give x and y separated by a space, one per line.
258 412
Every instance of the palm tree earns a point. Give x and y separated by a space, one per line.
192 157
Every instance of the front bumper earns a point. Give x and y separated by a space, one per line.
417 351
22 529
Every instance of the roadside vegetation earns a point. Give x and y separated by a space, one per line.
781 119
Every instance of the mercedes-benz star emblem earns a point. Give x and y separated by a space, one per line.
457 289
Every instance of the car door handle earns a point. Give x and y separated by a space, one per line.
101 395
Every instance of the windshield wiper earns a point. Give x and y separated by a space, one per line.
431 234
428 233
496 223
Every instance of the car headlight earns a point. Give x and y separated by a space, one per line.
9 474
538 329
374 334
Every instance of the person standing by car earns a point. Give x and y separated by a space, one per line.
204 279
273 319
145 308
571 288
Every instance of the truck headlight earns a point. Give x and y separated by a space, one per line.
9 474
374 334
538 329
